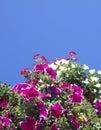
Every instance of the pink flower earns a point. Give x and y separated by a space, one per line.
71 56
20 87
43 95
4 122
29 124
24 71
32 81
77 89
54 127
72 53
30 93
74 122
65 86
98 106
36 56
42 109
56 110
39 68
45 60
3 102
1 127
54 90
51 72
76 98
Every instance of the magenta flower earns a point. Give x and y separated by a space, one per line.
75 122
39 68
76 98
43 95
54 127
3 102
54 90
51 72
19 87
77 89
42 109
1 127
4 122
98 106
72 53
36 56
30 93
29 124
24 71
56 110
45 60
65 86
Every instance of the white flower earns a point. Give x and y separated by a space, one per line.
61 61
95 90
85 67
99 91
67 75
94 78
58 73
92 71
99 72
86 81
61 68
64 61
73 66
41 81
98 85
53 66
68 68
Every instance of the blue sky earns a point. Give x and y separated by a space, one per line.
51 28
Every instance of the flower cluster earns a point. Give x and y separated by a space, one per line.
55 96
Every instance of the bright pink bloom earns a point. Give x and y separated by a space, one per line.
74 122
45 60
36 56
54 127
30 93
3 102
54 90
20 87
32 81
43 95
98 106
42 109
1 127
76 98
29 124
65 86
72 53
22 72
4 122
39 68
77 89
51 72
56 110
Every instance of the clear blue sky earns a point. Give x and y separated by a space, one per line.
51 28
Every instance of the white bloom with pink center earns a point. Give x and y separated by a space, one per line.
61 61
53 66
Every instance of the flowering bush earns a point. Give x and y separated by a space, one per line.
55 96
